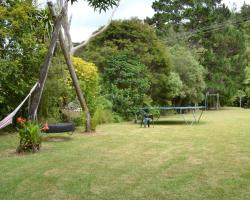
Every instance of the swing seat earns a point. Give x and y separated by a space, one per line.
60 128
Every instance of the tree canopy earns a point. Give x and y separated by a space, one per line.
213 31
139 41
100 4
191 74
126 83
22 48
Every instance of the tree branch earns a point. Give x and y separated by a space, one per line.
66 28
84 43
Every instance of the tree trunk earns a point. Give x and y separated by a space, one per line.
73 76
36 98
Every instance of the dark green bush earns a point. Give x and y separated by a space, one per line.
126 83
103 113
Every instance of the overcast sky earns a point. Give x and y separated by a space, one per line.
85 20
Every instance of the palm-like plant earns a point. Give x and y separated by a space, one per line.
30 137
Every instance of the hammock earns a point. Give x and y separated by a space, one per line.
9 119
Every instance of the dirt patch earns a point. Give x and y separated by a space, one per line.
194 161
9 153
13 153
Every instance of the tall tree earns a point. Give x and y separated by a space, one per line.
126 83
209 27
190 14
192 76
139 41
244 17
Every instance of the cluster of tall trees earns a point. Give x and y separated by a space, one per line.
186 49
245 89
171 75
213 32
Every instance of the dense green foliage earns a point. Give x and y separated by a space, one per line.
244 16
126 84
192 15
191 74
133 38
212 30
169 83
59 102
24 32
22 49
99 4
225 61
137 40
30 137
89 81
57 93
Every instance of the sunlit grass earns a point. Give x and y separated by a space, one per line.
210 160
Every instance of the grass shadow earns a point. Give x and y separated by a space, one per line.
8 131
56 138
171 122
176 122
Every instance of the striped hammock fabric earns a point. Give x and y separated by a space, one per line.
9 119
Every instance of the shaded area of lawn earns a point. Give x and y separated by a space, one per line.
210 160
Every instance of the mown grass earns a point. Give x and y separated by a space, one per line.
210 160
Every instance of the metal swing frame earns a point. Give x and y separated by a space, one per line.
207 102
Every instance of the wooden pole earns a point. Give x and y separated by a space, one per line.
36 98
206 102
217 104
73 75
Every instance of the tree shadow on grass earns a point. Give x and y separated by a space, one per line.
176 122
170 122
5 132
8 130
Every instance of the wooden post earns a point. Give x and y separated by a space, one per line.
240 101
73 75
36 98
206 106
217 103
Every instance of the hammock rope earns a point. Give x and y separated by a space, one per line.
9 119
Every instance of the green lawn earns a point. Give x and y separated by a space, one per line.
123 161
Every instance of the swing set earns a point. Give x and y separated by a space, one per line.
37 89
212 101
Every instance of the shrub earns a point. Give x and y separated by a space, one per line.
79 121
103 113
30 137
89 81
